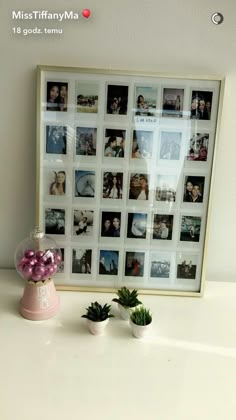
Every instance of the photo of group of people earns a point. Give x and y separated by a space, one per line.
186 270
127 169
87 97
160 265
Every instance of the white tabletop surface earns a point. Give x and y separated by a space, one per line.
55 369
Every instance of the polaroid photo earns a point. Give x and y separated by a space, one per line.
110 224
190 228
162 227
114 143
145 101
56 183
137 225
139 187
193 189
86 141
57 96
112 185
117 99
170 146
201 105
87 96
160 265
108 262
142 144
83 223
61 267
166 188
172 104
56 139
198 147
84 184
134 263
55 221
81 261
187 266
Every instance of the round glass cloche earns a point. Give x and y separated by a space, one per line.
37 257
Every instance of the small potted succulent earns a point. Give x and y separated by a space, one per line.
97 317
127 301
140 321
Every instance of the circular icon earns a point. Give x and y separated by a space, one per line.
217 18
86 13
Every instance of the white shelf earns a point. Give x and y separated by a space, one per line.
56 369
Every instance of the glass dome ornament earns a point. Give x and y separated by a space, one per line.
37 259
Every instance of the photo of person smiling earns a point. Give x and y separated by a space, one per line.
57 96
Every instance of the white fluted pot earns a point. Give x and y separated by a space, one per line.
140 331
97 327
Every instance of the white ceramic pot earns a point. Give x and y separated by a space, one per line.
126 311
140 331
97 328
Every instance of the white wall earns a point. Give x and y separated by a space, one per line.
173 36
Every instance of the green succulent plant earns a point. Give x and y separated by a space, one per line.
127 298
97 312
141 316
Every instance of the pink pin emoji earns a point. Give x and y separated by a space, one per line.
86 13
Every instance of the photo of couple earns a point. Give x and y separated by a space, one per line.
194 189
114 143
110 224
57 96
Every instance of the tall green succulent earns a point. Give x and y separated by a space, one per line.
97 312
141 316
127 298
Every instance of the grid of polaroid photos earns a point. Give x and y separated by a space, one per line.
125 173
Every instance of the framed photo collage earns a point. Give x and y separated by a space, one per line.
124 168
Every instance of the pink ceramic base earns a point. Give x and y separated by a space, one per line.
39 301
